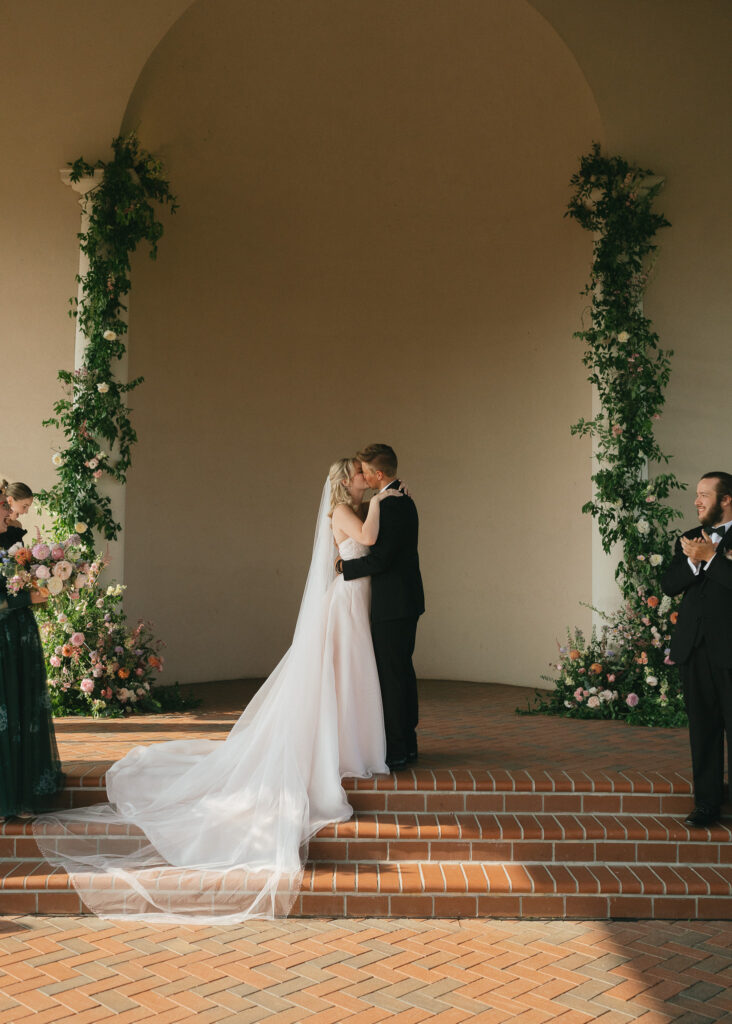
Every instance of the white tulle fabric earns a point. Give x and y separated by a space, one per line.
217 832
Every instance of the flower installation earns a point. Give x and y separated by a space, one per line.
623 671
97 663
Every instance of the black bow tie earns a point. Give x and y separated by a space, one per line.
715 529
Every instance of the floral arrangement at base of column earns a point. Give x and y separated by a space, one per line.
623 670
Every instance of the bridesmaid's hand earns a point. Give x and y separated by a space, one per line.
39 597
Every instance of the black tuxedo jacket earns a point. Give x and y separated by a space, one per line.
392 563
706 607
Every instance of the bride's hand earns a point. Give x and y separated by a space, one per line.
390 492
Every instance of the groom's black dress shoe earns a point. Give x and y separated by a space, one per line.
396 766
702 817
412 755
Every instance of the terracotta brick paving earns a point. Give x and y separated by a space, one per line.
83 970
463 725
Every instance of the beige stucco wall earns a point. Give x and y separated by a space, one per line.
370 246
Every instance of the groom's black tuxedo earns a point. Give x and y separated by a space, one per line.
706 608
701 646
397 601
393 563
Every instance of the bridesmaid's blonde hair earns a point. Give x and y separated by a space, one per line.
339 474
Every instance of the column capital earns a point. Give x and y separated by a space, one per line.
83 185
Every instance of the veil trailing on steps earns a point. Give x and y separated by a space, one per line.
217 832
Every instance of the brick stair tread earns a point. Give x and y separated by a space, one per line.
91 775
450 826
454 878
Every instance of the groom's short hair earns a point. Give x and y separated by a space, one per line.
380 456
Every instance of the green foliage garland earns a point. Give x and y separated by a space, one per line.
623 671
93 414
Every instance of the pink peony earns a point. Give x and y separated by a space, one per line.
42 571
57 553
77 639
632 700
62 569
55 661
87 685
41 551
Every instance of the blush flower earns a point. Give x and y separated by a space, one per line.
55 586
87 685
632 700
77 639
41 551
63 569
55 661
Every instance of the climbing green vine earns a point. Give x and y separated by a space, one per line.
93 414
624 669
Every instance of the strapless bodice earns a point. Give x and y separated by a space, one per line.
350 548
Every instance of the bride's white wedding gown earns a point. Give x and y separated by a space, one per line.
218 831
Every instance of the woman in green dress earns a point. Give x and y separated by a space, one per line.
30 770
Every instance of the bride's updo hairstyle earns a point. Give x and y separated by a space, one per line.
339 474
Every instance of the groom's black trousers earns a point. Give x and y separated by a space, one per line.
394 646
708 698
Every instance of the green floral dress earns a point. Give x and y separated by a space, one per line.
30 770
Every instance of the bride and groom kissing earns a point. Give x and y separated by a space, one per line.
222 827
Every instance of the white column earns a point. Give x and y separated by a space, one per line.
112 488
606 596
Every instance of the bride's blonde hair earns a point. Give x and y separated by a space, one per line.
339 474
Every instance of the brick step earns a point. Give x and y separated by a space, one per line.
435 889
475 791
522 838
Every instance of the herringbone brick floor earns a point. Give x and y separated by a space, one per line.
81 970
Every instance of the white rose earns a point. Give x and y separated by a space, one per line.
101 455
80 527
655 560
652 681
623 337
109 336
55 586
57 458
103 388
643 527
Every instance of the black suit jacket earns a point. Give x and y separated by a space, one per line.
706 607
393 563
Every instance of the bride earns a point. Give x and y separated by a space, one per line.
217 831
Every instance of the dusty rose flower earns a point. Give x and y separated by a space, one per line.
98 671
87 685
617 430
77 639
57 553
632 700
611 677
55 661
63 569
97 474
41 551
42 571
593 702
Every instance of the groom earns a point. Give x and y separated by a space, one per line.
397 601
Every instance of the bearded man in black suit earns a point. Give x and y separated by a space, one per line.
702 641
397 601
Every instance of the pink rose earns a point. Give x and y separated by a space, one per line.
77 639
107 694
98 671
593 702
57 553
42 571
55 661
97 473
87 685
62 569
632 700
611 677
139 672
579 695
